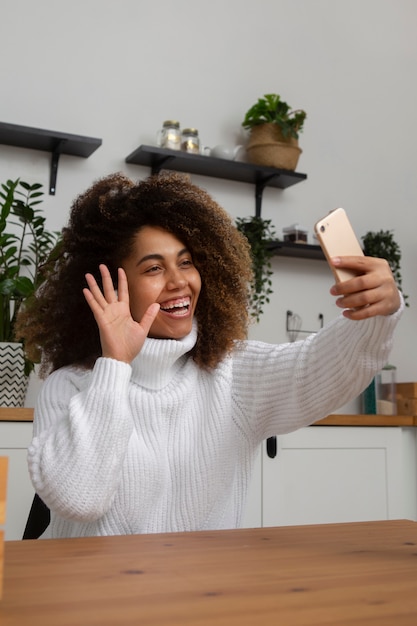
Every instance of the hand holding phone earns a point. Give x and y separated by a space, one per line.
337 238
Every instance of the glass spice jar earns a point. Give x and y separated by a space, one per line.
190 141
170 135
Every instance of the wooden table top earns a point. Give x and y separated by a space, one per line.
333 574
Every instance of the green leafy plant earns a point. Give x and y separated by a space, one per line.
25 244
383 245
259 233
271 109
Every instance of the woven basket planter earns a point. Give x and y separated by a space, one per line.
268 147
13 382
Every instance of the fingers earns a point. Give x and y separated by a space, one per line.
357 263
108 294
372 292
384 300
361 265
382 307
93 294
122 287
108 287
372 273
92 303
149 317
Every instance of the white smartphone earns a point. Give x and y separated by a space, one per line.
337 238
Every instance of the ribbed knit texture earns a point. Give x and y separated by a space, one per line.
164 446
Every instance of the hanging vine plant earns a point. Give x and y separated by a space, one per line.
383 245
259 233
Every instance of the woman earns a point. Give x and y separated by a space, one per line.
155 403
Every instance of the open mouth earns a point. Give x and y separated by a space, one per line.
177 308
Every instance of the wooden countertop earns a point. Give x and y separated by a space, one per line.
16 414
368 420
335 574
26 415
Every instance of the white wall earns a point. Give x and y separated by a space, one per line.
117 69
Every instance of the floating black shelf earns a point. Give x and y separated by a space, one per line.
300 250
48 141
261 177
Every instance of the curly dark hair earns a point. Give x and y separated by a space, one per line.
57 326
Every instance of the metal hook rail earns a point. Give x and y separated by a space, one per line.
291 315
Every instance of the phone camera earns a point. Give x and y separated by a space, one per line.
322 228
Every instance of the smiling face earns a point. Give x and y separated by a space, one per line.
160 269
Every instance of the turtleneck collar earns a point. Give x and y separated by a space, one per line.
160 359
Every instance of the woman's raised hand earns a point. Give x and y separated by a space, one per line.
121 336
372 292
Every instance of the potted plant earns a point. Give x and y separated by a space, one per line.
382 244
259 232
24 246
274 129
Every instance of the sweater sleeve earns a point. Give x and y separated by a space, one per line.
82 426
280 388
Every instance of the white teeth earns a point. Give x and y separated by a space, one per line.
177 305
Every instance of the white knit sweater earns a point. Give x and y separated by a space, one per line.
164 446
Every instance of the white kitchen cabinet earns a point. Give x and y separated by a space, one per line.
325 474
14 440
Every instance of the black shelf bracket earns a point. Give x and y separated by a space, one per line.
259 190
55 142
159 164
54 165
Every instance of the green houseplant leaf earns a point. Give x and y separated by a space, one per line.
271 109
25 245
383 245
259 233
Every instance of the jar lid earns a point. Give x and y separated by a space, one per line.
190 131
294 228
173 123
